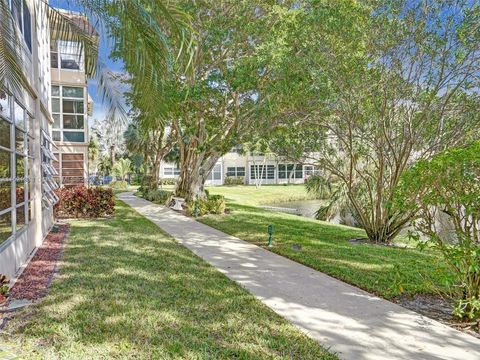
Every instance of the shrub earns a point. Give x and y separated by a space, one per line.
447 190
148 182
136 179
232 180
168 181
214 204
156 195
84 202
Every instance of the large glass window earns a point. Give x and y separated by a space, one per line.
287 171
68 111
27 26
15 157
262 172
236 171
22 16
69 53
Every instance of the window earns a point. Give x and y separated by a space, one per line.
287 171
68 111
238 171
56 136
310 170
73 121
22 17
216 173
74 136
171 171
53 55
15 159
262 172
55 90
4 105
72 92
66 54
27 26
4 133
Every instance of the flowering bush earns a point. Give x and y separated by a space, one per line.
84 202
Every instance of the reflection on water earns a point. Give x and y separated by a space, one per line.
305 208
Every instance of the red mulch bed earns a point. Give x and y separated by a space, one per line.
35 280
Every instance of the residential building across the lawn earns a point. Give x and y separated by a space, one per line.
238 168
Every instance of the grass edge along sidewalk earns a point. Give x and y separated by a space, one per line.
125 289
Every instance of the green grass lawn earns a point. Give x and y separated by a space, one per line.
126 290
386 271
265 194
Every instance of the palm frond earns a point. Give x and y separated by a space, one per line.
75 28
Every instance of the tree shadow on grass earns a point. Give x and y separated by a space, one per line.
387 271
125 290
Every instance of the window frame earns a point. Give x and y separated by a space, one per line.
60 113
285 169
55 49
26 155
266 172
236 172
21 19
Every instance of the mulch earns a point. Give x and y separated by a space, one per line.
34 282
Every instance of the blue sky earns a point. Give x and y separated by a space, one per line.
104 53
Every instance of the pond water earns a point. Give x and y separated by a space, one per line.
305 208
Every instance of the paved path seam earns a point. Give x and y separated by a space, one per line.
352 322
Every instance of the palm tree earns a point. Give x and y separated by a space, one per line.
146 31
109 135
121 168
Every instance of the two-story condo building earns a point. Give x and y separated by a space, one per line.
250 169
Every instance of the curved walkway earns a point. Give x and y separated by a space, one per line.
350 321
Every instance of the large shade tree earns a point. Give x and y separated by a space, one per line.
216 103
380 86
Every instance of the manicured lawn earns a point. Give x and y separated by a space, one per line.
265 194
386 271
126 290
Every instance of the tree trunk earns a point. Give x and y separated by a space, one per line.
194 170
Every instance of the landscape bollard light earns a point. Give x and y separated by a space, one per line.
270 233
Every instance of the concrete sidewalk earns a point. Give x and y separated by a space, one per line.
350 321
